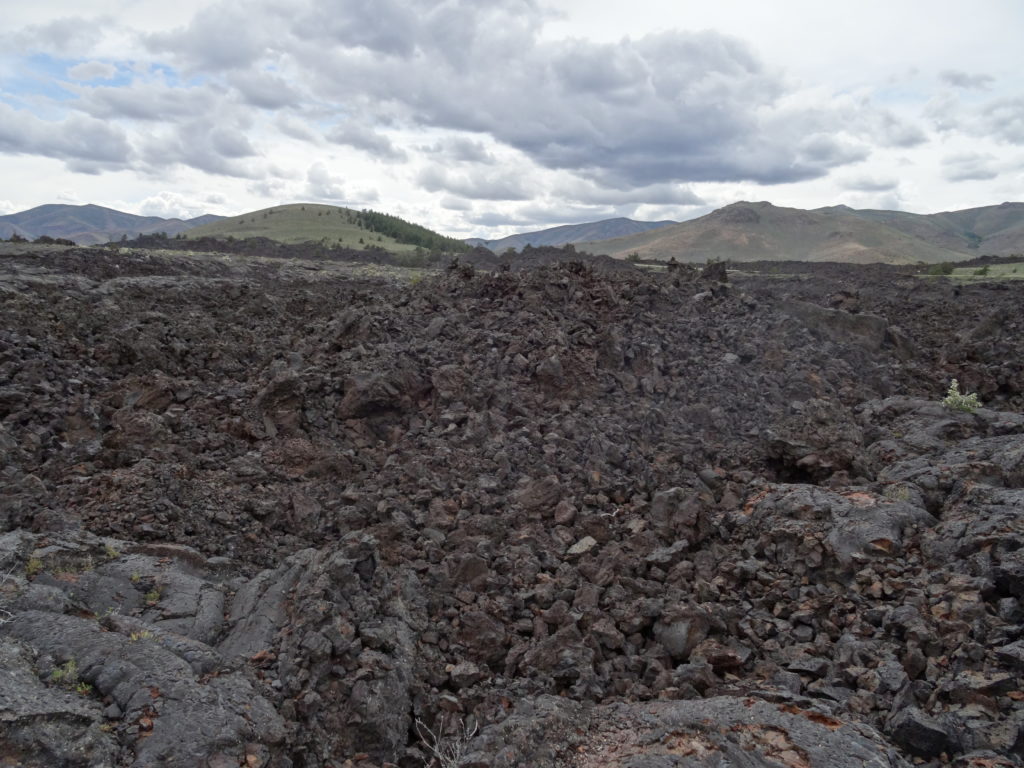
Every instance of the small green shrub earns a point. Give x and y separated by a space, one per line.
945 268
66 674
956 401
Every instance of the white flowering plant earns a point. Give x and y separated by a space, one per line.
956 401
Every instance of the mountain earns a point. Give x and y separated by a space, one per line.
302 222
90 224
993 229
571 233
761 231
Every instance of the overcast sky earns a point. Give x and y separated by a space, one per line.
485 117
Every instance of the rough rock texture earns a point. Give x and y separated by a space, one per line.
263 512
712 733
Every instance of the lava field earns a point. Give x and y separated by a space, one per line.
272 513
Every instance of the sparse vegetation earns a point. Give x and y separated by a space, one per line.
153 596
33 566
944 268
66 675
957 401
446 749
6 615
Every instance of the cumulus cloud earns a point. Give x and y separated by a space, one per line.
85 144
172 205
150 101
970 166
322 185
222 36
296 129
959 79
478 184
263 89
92 70
452 203
581 191
888 130
1004 119
675 106
869 183
999 119
547 214
69 37
361 136
460 149
202 143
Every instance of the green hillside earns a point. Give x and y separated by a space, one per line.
303 222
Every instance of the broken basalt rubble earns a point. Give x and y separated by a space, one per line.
261 517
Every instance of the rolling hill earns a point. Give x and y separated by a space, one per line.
993 229
571 233
303 222
761 231
90 224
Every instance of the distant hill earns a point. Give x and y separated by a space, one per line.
761 231
303 222
90 224
570 233
995 229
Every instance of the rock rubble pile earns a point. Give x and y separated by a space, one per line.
267 517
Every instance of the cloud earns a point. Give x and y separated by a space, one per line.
222 36
204 143
451 203
460 150
92 70
68 37
479 185
295 128
547 214
999 119
149 100
172 205
263 89
324 186
1004 119
668 107
363 137
86 145
581 191
890 131
959 79
869 184
970 166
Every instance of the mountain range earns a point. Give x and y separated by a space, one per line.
91 224
571 233
743 231
747 231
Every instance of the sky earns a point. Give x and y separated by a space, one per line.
488 117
